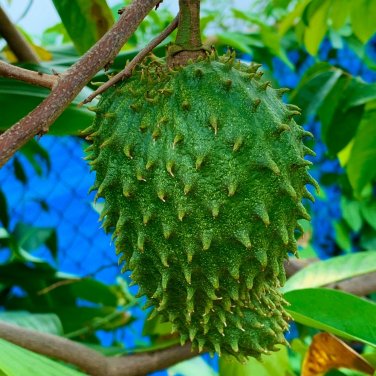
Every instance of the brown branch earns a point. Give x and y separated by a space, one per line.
293 265
361 285
16 41
127 71
26 75
95 363
74 79
91 361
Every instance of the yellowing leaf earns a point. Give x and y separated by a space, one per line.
42 53
329 352
339 13
291 17
363 19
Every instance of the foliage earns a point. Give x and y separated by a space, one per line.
324 51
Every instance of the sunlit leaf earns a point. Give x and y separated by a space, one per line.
317 26
363 19
42 322
336 269
339 12
292 16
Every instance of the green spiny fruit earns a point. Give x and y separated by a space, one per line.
202 169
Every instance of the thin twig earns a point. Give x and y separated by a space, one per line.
16 41
26 75
72 81
127 71
70 281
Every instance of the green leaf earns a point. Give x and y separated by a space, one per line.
334 311
85 21
368 238
29 237
42 322
314 87
318 25
19 171
334 270
19 99
276 364
4 234
332 101
94 291
339 12
342 235
343 128
157 326
82 320
4 217
238 40
16 361
269 37
359 93
341 111
368 210
361 164
291 17
51 243
34 152
363 19
192 367
351 213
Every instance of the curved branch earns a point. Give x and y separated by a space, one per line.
91 361
26 75
127 71
95 363
74 79
16 41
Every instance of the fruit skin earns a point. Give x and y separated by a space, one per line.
202 170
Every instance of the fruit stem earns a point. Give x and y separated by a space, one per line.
188 44
189 36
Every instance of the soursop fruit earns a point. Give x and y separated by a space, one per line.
202 170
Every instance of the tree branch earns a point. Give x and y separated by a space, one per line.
74 79
94 363
16 41
26 75
362 285
127 71
91 361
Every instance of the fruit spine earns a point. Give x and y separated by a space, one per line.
202 170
